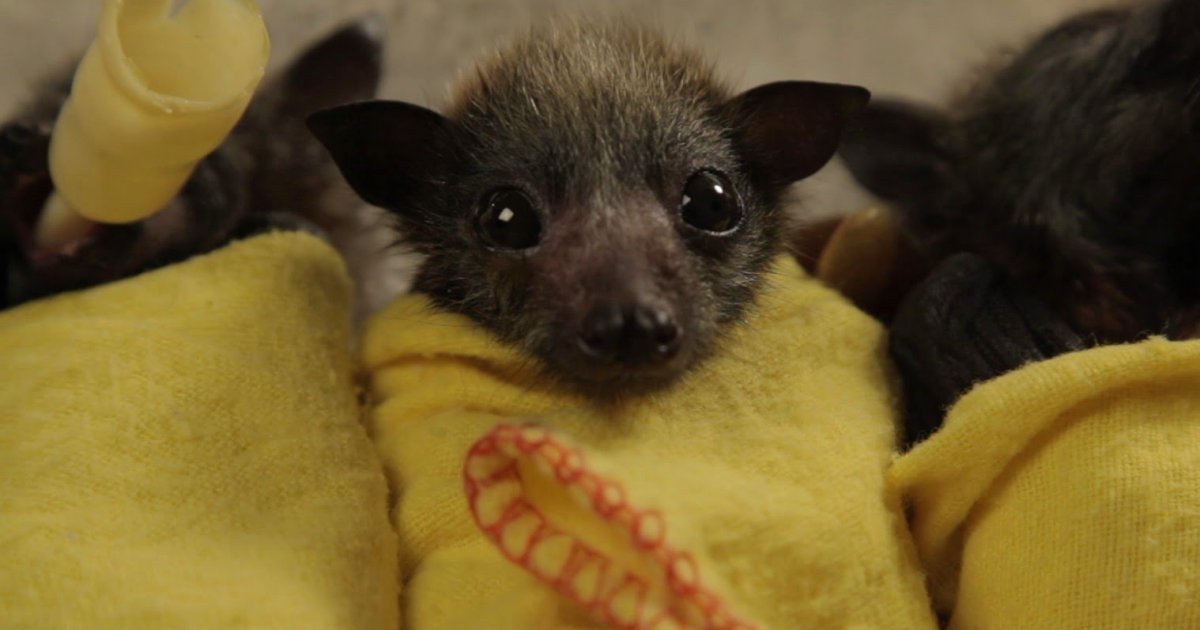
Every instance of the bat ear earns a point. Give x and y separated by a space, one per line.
1173 53
386 150
787 131
344 67
897 152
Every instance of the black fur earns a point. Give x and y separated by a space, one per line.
270 165
601 125
1075 166
967 323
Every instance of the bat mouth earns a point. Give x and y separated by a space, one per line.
22 212
617 373
614 379
25 187
29 269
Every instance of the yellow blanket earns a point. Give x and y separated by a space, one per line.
183 450
750 495
1067 494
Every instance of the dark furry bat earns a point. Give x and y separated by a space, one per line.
968 322
594 195
1075 166
270 173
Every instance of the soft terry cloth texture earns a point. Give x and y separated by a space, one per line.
1067 494
752 494
183 450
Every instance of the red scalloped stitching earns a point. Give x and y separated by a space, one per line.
491 464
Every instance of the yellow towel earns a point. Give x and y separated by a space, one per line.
752 494
183 450
1066 494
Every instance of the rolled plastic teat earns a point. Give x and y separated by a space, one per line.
156 92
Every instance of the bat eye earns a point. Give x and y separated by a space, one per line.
17 135
507 219
709 203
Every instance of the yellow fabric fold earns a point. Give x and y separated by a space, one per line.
184 450
1066 494
765 468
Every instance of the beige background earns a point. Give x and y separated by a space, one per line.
914 48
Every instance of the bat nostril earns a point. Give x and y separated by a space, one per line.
630 334
656 325
602 331
666 331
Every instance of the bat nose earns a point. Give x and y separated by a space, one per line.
630 334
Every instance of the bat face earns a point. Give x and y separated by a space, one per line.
1072 166
614 243
201 217
593 195
267 175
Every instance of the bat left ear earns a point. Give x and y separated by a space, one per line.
789 130
386 150
1174 52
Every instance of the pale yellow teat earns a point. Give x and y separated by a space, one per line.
157 91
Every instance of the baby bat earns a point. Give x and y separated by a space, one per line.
270 173
1074 166
593 194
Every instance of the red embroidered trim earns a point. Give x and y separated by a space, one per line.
490 474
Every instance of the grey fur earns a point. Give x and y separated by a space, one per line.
601 125
1073 164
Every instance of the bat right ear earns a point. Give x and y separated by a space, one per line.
344 67
788 130
1173 55
386 150
896 151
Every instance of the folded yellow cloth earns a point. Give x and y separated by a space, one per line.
184 450
1066 494
752 494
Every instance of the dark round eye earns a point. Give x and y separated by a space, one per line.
508 220
710 204
17 135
